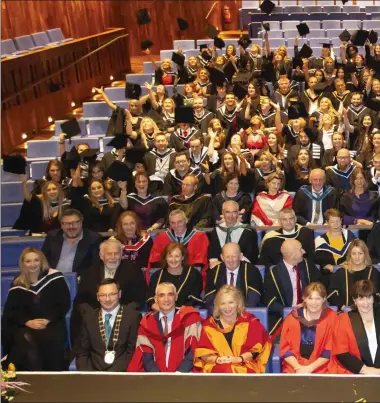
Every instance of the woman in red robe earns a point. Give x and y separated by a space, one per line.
356 346
306 337
232 340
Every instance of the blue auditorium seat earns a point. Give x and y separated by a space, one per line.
372 9
256 41
292 9
276 42
123 104
42 149
331 9
261 314
11 192
317 51
81 122
315 42
25 42
351 9
98 126
56 35
274 34
255 27
250 3
6 282
167 54
184 44
8 47
321 33
209 42
312 9
41 39
11 249
191 52
275 25
11 232
276 362
313 25
351 24
148 67
38 169
139 78
115 93
290 33
96 110
93 142
287 25
301 42
371 24
261 270
72 283
8 177
9 214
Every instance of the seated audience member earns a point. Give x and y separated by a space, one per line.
72 248
100 210
306 337
40 213
231 192
197 207
270 253
196 242
151 208
137 245
298 173
265 165
285 282
358 266
359 205
339 175
230 230
234 271
55 172
117 325
315 148
267 205
199 153
232 340
355 348
331 247
167 338
373 174
34 334
312 201
175 269
367 158
128 275
175 177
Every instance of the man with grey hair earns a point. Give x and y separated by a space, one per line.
167 339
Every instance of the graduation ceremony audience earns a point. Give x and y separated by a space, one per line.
252 182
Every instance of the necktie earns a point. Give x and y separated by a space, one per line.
166 331
107 326
231 278
185 133
298 285
317 208
228 236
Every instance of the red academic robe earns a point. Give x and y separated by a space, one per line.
196 243
266 207
291 337
151 340
249 336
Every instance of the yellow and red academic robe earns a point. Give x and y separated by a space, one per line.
249 336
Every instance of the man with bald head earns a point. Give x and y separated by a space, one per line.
285 282
197 207
231 230
312 201
234 271
339 175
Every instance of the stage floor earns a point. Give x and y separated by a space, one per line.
123 387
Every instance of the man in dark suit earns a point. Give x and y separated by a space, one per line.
108 336
234 271
284 284
72 248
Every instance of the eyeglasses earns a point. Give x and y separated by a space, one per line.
70 223
110 295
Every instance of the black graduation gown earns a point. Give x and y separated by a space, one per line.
243 199
202 123
48 299
188 284
173 181
217 182
342 280
138 252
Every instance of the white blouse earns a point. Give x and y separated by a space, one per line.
372 340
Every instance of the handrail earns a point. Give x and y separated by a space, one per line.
63 69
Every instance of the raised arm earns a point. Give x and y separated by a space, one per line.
343 54
151 58
277 120
25 190
123 200
105 98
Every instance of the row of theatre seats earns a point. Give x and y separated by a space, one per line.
21 44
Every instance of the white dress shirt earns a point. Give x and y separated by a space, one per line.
170 319
113 313
372 340
235 272
293 279
320 218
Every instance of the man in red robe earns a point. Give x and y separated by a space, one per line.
167 338
196 243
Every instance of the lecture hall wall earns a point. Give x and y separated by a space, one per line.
82 18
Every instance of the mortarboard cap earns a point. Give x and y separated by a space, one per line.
118 142
344 2
326 45
297 110
118 171
266 26
135 154
320 87
219 43
70 128
15 164
360 37
184 114
89 154
143 16
203 46
374 104
206 55
345 36
267 6
244 41
373 37
240 91
132 91
211 31
182 24
297 61
246 76
146 44
229 70
350 68
217 76
305 51
303 29
178 58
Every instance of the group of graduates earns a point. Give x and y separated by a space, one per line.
272 125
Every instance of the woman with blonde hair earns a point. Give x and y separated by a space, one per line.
203 84
40 213
232 340
147 131
325 107
34 333
306 336
254 137
163 74
358 266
